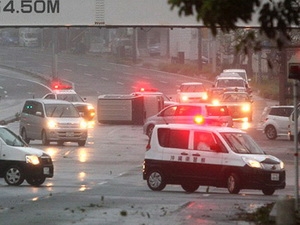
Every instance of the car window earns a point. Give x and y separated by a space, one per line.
61 110
30 107
192 88
188 111
50 96
173 138
217 111
169 111
242 143
69 97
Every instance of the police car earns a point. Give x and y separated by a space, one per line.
87 110
191 155
19 162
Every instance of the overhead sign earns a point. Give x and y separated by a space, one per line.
108 13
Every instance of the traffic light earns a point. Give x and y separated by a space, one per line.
294 71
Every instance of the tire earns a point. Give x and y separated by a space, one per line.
14 176
24 136
271 132
45 141
156 181
150 130
35 181
268 191
81 143
190 188
233 184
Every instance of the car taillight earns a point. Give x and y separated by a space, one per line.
184 98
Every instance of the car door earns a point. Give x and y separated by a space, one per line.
186 114
175 152
208 162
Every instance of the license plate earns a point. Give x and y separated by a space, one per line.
46 170
275 176
69 134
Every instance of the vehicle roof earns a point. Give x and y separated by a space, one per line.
64 91
229 77
49 101
281 106
231 70
199 127
229 74
192 83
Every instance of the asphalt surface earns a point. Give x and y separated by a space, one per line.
223 212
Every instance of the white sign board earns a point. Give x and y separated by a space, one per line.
92 13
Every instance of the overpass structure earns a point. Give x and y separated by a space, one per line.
103 13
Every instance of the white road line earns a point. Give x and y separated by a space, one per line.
107 69
68 70
79 64
120 83
164 82
88 74
46 66
104 78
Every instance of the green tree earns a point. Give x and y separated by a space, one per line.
275 17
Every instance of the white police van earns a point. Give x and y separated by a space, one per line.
191 155
19 162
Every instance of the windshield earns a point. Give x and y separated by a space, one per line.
235 97
11 138
230 83
242 143
61 110
69 97
192 88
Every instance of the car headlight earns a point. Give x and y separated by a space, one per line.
32 159
90 107
52 124
83 124
184 98
252 163
246 107
281 165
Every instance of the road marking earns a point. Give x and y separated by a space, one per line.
104 78
79 64
120 83
107 69
88 74
46 66
68 70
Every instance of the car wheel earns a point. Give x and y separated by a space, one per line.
14 176
156 181
150 130
268 191
81 143
233 184
271 132
24 136
45 141
190 188
36 181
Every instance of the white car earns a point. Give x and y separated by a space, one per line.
231 159
190 113
86 109
21 162
192 92
241 72
275 121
